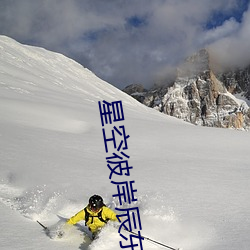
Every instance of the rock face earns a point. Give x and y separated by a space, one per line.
201 97
137 91
237 81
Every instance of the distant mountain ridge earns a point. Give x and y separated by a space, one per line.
200 95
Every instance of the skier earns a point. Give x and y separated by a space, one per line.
95 214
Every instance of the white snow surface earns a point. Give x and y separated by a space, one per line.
193 183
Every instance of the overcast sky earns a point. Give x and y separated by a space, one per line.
131 41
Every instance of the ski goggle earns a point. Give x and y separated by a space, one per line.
94 208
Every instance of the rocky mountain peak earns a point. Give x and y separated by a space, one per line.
200 96
196 64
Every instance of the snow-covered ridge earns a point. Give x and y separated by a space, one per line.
33 74
34 66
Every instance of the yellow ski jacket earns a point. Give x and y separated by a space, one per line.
94 223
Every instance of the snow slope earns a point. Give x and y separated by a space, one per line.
193 182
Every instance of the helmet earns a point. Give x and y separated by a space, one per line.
95 202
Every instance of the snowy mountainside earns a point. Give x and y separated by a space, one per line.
192 182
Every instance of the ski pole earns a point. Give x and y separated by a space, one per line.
157 242
45 228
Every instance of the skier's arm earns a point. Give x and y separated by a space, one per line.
77 217
110 214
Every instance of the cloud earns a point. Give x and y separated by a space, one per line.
233 49
228 28
123 42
